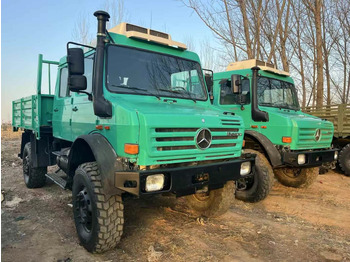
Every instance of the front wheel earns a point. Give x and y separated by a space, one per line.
213 203
296 177
256 188
98 220
344 159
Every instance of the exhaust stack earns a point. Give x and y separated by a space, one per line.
257 114
102 107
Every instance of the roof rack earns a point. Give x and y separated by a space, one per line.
247 64
135 31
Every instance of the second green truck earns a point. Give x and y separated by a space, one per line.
291 142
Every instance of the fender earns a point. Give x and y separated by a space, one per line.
271 150
95 147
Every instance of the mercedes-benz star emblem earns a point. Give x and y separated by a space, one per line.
203 138
318 134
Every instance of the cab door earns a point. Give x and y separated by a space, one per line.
62 107
83 117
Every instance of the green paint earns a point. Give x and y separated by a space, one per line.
282 122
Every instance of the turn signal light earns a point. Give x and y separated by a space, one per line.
286 139
131 149
243 143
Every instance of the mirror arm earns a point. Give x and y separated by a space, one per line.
87 93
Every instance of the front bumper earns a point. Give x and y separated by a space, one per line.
185 180
313 158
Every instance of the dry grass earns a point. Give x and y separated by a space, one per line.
8 134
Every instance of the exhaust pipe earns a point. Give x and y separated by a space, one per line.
257 114
102 107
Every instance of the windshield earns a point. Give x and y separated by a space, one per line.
137 71
276 93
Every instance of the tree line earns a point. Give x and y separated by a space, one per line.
309 38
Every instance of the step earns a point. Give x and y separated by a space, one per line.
57 180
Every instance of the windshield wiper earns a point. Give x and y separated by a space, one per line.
266 104
178 92
137 88
286 106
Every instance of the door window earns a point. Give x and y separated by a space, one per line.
64 82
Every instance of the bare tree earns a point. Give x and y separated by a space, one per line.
85 34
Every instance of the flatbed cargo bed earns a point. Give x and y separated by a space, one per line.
33 113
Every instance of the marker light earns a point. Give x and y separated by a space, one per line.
286 139
131 149
245 168
301 159
154 182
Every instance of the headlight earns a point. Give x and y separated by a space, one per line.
154 182
301 159
335 155
245 168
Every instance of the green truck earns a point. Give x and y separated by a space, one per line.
129 116
339 115
291 142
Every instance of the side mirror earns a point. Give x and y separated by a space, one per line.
209 82
236 82
76 79
77 83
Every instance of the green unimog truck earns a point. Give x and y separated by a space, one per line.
339 115
291 142
129 116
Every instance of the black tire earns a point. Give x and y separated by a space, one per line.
99 221
344 159
257 187
296 177
33 177
214 203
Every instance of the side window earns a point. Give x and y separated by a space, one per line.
89 65
227 97
64 82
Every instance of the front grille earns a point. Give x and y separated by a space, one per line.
306 138
230 122
166 139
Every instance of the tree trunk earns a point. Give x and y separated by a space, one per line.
318 25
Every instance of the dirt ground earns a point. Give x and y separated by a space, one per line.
290 225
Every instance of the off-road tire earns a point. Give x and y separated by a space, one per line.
33 177
305 178
214 203
105 228
260 185
344 159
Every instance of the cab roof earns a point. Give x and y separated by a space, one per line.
126 34
248 64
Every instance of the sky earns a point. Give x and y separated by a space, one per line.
32 27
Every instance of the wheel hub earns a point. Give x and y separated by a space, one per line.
293 173
83 206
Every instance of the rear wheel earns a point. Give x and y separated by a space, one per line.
296 177
98 220
257 187
33 177
344 159
213 203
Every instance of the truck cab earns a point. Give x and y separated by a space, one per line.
294 142
130 115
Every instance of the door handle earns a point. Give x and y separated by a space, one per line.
75 109
55 110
